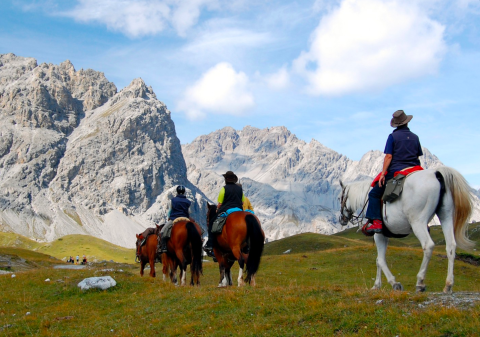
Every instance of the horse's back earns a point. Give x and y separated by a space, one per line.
422 184
417 203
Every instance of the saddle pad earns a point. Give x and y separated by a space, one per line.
148 232
406 172
182 218
230 211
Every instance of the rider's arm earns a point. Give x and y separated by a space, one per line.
386 164
387 160
220 198
169 210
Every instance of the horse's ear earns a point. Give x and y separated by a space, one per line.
157 226
341 183
137 236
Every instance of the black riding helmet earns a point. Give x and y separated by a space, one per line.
180 189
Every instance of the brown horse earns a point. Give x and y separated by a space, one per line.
230 246
148 252
184 248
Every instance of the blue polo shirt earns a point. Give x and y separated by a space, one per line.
180 205
405 148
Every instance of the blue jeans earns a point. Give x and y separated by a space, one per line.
374 210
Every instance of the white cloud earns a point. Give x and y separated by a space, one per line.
141 17
370 44
222 39
279 80
220 90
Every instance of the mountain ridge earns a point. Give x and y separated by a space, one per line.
294 185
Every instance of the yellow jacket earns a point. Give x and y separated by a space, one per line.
247 204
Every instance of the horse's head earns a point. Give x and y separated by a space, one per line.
346 212
211 212
138 243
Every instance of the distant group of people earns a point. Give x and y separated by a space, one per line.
72 260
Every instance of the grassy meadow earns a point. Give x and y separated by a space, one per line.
72 245
322 288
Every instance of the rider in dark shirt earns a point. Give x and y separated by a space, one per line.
180 207
230 196
401 151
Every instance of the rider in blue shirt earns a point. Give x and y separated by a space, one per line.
401 151
179 207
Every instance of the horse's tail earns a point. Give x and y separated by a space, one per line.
196 243
460 192
256 237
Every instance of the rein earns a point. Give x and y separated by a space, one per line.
356 220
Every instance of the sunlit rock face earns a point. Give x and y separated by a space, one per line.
293 185
76 157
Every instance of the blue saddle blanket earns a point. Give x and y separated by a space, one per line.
232 210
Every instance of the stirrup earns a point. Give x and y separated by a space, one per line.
137 259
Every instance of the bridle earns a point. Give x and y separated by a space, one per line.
356 220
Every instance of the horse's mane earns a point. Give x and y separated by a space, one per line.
357 193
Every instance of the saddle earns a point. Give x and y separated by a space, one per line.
219 222
149 231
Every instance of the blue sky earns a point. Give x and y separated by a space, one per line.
330 70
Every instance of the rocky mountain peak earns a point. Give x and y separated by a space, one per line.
137 89
78 157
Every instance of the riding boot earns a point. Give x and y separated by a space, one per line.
163 248
208 248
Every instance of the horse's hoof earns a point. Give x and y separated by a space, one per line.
398 286
448 290
421 289
220 285
375 287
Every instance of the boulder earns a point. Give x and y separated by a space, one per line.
103 282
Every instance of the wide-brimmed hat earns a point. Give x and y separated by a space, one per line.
400 118
230 177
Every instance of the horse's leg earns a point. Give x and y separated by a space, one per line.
142 266
152 266
221 266
446 219
420 229
165 264
228 275
240 277
183 275
175 266
183 266
382 242
241 263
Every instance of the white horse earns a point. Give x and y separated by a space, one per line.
443 192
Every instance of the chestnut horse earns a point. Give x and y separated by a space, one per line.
148 252
229 246
184 248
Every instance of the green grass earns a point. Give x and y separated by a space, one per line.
72 245
318 293
322 288
309 242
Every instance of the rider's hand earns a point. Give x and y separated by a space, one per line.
381 181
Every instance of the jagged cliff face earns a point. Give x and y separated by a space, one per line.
293 185
78 157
